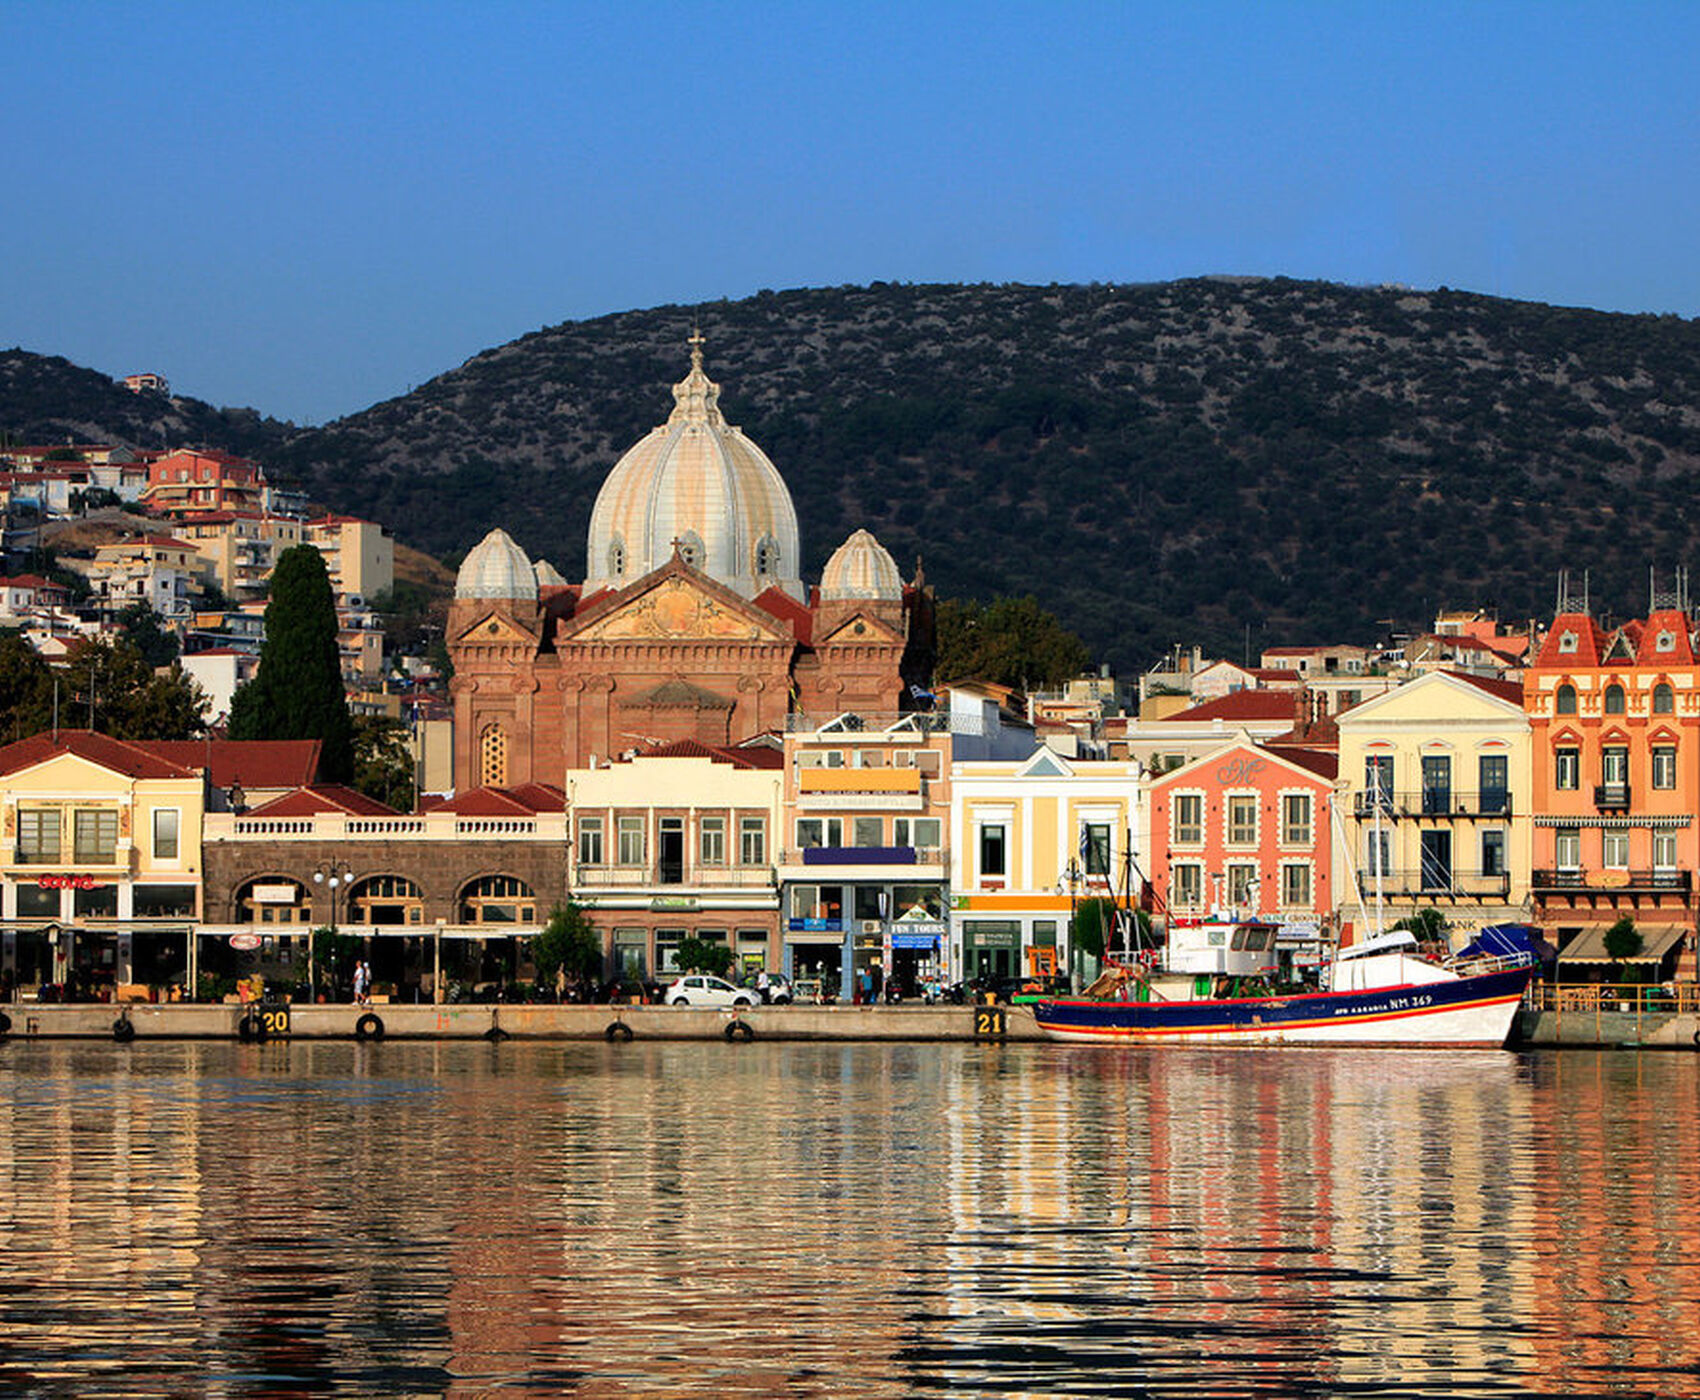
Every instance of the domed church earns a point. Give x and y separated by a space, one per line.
693 621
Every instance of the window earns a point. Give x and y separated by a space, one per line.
95 837
711 841
1295 818
37 903
1378 853
100 902
1664 766
867 831
1664 699
1566 768
617 557
633 847
165 843
1242 821
920 832
493 756
590 840
498 899
819 831
1614 765
767 556
1664 850
1242 885
1567 641
38 836
992 856
387 899
1437 783
1614 699
273 901
1186 886
1378 778
752 840
1493 852
163 902
1567 845
1295 885
1614 850
1095 847
1564 702
1493 773
1189 819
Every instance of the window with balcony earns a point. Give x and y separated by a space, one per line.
1437 783
1493 776
1614 702
1614 850
1664 850
1493 852
1564 702
670 851
752 840
633 847
590 850
1242 821
1567 768
1378 779
95 838
1189 819
38 836
711 841
993 855
1295 885
1664 699
867 831
1296 819
1614 773
819 831
1663 768
1378 853
920 832
1567 848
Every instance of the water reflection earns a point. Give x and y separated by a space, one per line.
816 1219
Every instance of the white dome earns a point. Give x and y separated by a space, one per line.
697 481
496 568
861 567
548 576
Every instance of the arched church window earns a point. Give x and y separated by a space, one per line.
493 756
767 556
1664 699
1614 699
498 899
692 550
617 557
1565 702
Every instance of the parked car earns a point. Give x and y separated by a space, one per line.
699 989
778 991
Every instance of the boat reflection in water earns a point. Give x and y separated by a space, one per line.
815 1219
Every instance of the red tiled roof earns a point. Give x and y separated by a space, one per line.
1590 642
1322 762
30 581
738 758
132 760
255 763
1509 691
1239 706
319 798
776 602
525 800
1682 651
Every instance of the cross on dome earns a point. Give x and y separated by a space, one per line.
696 397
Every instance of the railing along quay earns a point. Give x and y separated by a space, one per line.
1651 1004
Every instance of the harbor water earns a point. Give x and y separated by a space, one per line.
698 1218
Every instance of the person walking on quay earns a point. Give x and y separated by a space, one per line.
362 981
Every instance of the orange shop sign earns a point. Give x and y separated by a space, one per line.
66 882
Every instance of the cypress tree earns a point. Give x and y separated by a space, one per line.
297 691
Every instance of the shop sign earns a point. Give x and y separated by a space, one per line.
663 902
931 928
815 925
66 882
904 938
274 894
245 942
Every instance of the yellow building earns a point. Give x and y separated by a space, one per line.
1028 841
102 863
1436 793
359 555
239 548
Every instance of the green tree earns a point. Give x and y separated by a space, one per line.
383 763
108 686
297 692
695 955
569 943
140 623
1009 641
26 689
334 953
1094 927
1427 925
1623 940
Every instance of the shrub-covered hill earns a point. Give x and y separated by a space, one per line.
1220 459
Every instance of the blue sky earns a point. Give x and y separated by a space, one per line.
306 208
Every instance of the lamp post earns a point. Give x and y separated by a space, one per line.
333 875
1072 874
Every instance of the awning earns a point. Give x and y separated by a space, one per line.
1509 941
1590 945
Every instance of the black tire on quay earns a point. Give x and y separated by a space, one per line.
369 1027
248 1029
495 1035
5 1024
739 1031
618 1033
122 1031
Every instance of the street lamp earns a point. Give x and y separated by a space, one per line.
1073 875
333 875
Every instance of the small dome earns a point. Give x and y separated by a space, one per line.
496 568
861 567
548 576
698 485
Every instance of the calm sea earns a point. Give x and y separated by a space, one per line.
793 1220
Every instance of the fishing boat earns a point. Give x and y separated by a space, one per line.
1213 985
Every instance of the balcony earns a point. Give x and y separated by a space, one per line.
1667 881
1611 797
711 877
1434 803
1437 883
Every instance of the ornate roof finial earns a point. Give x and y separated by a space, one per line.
696 342
696 397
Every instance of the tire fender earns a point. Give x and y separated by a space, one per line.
123 1031
5 1024
738 1030
369 1027
248 1029
617 1033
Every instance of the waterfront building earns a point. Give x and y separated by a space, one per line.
1248 831
1615 735
679 842
693 620
1028 839
1436 787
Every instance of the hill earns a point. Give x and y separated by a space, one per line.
1232 460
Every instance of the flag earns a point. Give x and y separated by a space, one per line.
918 693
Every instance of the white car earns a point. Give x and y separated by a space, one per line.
699 989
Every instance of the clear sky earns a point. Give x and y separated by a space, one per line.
308 207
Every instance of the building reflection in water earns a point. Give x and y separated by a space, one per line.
807 1219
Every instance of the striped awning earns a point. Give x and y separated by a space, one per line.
1590 945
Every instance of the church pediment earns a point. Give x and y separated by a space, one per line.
496 629
860 629
679 606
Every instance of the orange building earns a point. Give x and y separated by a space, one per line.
187 480
1615 731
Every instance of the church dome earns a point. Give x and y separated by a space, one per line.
496 568
548 576
698 484
861 567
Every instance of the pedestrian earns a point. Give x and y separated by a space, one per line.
362 981
764 988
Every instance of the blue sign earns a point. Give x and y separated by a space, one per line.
926 942
815 925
